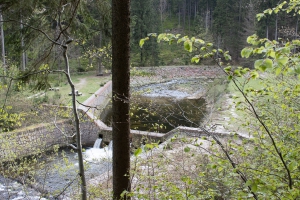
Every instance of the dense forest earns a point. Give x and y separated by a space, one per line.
226 23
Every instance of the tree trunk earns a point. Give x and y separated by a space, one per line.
267 28
207 18
296 29
240 12
100 73
296 33
179 16
77 127
23 60
161 11
276 27
184 14
121 97
189 14
195 10
2 42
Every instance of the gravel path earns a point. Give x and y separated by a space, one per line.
161 74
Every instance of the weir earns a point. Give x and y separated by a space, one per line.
100 100
43 137
97 143
97 153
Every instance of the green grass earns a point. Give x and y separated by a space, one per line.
237 96
86 83
244 84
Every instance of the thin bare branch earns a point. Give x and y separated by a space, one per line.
264 126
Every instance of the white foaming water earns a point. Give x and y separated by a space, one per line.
97 143
99 154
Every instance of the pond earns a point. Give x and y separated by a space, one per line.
161 107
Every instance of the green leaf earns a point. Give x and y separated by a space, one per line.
149 146
187 149
271 53
268 11
227 69
138 152
203 48
262 65
188 45
142 41
220 169
282 61
245 70
297 70
227 56
183 39
195 59
152 34
259 16
161 36
252 39
259 50
278 71
254 187
246 52
293 165
268 63
258 63
199 41
254 74
237 72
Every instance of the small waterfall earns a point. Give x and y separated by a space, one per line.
97 154
97 143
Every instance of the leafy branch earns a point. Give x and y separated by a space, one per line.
207 51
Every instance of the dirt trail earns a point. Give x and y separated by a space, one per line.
81 84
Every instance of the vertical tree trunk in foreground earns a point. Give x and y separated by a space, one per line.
120 97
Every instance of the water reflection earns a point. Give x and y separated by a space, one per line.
161 114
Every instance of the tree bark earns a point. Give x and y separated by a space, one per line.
2 42
206 17
100 73
276 27
121 97
23 60
77 126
